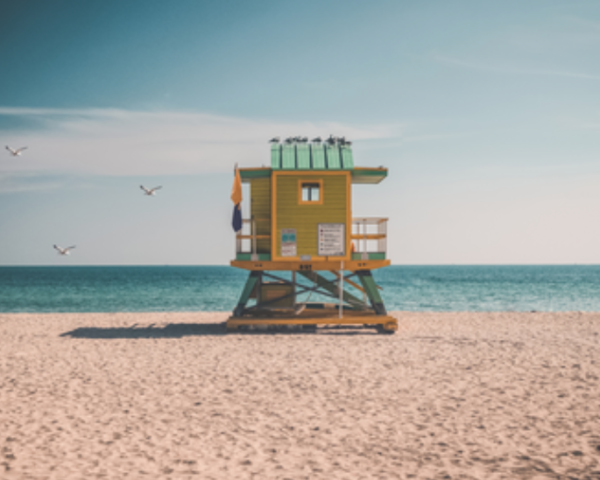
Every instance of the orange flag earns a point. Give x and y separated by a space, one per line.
236 191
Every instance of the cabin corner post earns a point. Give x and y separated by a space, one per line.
253 279
366 279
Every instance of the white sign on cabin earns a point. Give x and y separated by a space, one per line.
288 242
332 239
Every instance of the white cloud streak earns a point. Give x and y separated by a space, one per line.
587 23
514 71
120 142
19 183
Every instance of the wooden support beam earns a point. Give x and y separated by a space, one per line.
331 287
354 284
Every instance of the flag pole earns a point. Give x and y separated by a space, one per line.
341 288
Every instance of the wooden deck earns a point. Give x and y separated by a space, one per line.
314 265
325 316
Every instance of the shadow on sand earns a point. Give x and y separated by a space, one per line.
172 330
178 330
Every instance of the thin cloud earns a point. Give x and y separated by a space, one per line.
121 142
578 123
19 183
514 71
588 23
584 125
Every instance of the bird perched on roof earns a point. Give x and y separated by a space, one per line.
317 140
17 152
342 140
289 140
297 139
331 140
150 191
64 251
274 140
304 139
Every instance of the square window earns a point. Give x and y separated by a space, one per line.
310 192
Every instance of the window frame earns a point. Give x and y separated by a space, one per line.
305 181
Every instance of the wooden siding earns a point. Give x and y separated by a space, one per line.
305 218
260 210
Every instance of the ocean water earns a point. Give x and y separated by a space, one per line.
217 288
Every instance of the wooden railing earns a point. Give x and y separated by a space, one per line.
369 235
252 236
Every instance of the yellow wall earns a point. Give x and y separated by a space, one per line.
305 218
260 210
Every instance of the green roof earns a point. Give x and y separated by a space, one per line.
313 156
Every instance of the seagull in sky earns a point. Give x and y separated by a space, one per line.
64 251
150 191
17 152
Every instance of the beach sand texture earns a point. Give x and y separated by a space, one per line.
169 395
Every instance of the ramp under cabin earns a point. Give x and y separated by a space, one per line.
301 222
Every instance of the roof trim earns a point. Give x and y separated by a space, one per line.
249 173
363 175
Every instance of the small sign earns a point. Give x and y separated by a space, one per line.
288 242
332 239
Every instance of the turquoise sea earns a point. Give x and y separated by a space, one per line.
216 288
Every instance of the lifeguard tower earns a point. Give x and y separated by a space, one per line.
301 239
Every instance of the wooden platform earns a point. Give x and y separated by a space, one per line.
384 323
309 265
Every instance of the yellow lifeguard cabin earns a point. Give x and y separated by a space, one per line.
301 222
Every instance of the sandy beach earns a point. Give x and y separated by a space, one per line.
171 395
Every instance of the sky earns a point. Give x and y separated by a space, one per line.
487 115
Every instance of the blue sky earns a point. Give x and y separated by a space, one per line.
487 115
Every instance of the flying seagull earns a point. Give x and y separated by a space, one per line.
17 152
149 191
63 251
274 140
